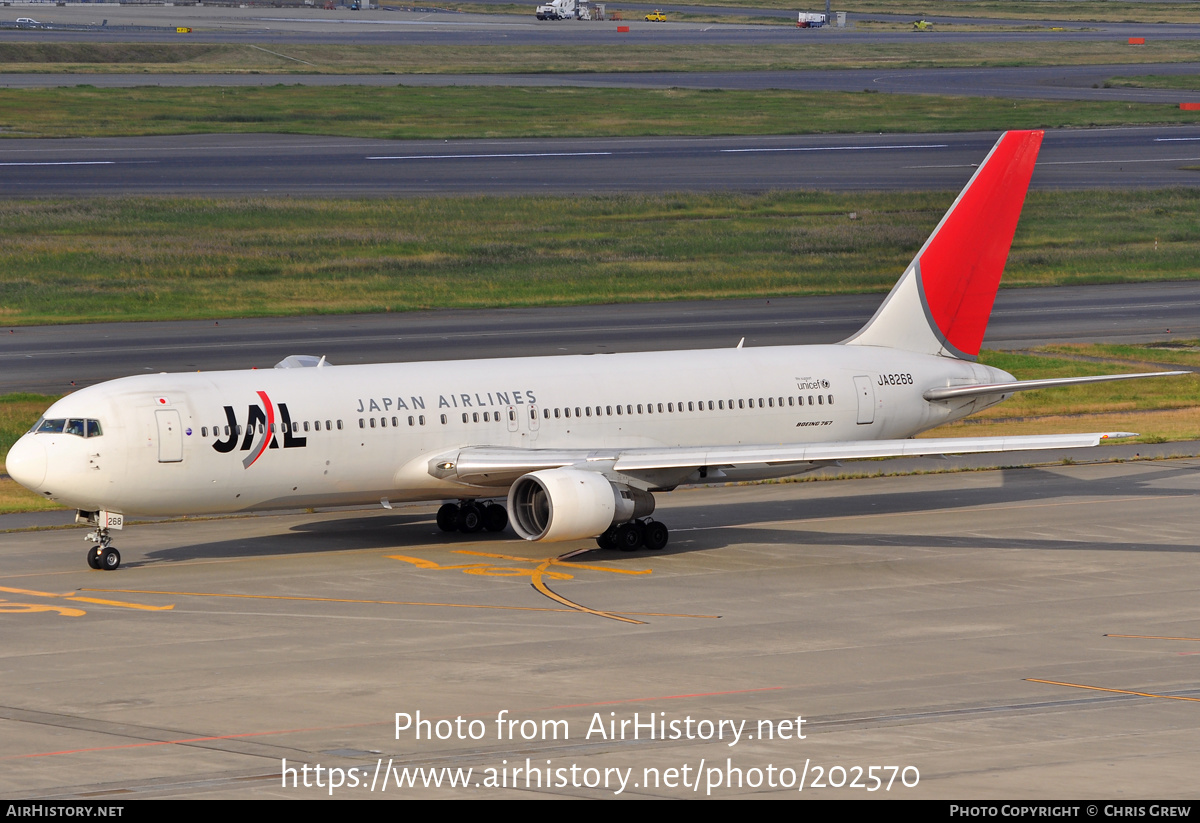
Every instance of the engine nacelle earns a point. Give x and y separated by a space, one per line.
570 504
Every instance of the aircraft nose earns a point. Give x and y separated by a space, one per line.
26 462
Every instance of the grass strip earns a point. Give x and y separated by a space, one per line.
1183 82
86 260
473 112
168 58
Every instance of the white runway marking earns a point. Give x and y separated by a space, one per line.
490 156
65 163
841 148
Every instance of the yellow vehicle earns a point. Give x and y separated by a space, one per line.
922 25
656 16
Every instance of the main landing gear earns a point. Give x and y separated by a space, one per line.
633 535
470 516
103 555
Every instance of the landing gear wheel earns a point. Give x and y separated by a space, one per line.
470 518
629 536
655 536
447 517
608 540
495 517
93 558
110 559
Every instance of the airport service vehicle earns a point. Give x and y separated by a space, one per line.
560 10
656 16
576 446
809 20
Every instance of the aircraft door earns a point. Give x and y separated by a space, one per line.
866 399
512 418
535 422
170 436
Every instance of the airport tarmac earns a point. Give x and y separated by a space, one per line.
1028 633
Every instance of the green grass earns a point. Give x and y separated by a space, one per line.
460 112
89 260
1184 82
633 56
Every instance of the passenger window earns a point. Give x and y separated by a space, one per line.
443 419
362 424
421 420
831 399
306 425
339 425
820 400
204 431
410 420
382 422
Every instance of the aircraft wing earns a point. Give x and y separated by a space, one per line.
499 466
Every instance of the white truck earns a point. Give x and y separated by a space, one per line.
810 20
563 10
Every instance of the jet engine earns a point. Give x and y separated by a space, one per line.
569 504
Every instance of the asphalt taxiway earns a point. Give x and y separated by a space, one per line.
1020 634
265 164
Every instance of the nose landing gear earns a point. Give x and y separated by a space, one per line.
103 556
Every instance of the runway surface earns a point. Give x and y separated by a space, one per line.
1148 157
1017 634
56 359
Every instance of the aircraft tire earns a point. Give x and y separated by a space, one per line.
608 540
656 536
110 560
93 558
629 536
470 518
447 517
495 517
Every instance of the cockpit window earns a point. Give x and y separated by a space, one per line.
77 427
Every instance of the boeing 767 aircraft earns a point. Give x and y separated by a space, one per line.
578 445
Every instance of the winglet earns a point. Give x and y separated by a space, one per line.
942 302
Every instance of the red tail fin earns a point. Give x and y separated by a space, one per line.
942 303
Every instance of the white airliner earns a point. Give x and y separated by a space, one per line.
578 443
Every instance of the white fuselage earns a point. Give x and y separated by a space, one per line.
183 443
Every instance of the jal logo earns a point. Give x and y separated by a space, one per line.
259 434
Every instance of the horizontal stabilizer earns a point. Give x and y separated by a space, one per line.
984 389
